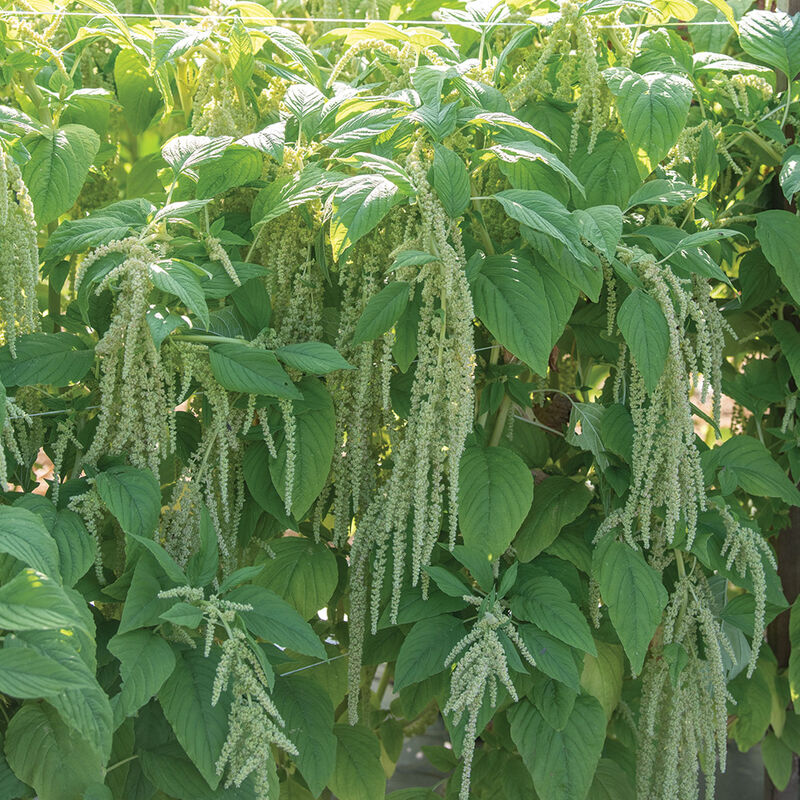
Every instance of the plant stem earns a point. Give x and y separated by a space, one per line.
500 421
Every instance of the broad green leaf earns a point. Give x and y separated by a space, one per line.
303 572
185 154
58 165
33 602
316 358
778 760
314 439
143 607
136 89
200 727
508 293
27 674
634 594
611 782
514 152
183 614
554 700
561 763
241 55
543 600
451 181
661 192
237 166
133 496
269 140
279 196
602 226
772 37
358 774
250 370
101 227
644 327
307 711
778 233
204 562
450 584
789 339
653 109
76 547
753 468
48 755
24 536
146 661
790 172
177 279
542 213
358 204
495 490
602 675
557 501
274 620
382 311
425 649
55 359
609 173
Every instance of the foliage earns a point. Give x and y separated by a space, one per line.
464 354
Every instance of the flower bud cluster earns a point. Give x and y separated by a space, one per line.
19 256
135 418
480 665
683 714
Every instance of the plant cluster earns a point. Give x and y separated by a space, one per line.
456 355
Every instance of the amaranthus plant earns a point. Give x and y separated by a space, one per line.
439 362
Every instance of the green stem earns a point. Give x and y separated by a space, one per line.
500 421
120 763
384 682
206 338
788 103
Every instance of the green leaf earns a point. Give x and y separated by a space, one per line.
241 55
184 614
778 759
133 496
542 599
314 436
185 154
634 594
424 650
58 166
55 359
316 358
661 192
237 166
307 711
142 606
653 108
602 675
32 601
274 620
772 37
146 661
48 755
644 327
303 572
449 583
24 536
27 674
382 311
358 774
200 727
609 173
789 339
561 763
177 279
513 152
790 172
248 369
602 226
101 227
778 233
495 490
358 204
136 90
76 547
753 468
542 213
204 563
611 782
450 180
281 195
557 501
508 292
